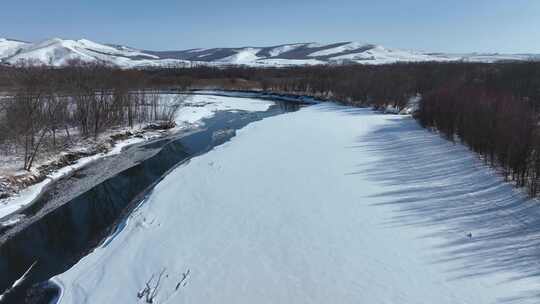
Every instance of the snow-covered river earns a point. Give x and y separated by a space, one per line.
74 216
329 204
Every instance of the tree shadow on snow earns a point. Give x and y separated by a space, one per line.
444 186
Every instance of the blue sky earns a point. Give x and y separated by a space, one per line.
452 26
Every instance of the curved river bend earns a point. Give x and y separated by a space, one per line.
59 239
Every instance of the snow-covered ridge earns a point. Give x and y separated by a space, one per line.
59 52
352 46
10 47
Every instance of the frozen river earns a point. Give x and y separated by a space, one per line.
74 215
328 204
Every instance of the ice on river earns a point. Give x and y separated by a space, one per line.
325 205
199 107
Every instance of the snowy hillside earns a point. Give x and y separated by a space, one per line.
10 47
343 210
58 52
303 54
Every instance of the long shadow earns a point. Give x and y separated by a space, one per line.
441 185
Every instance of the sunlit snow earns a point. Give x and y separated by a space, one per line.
326 205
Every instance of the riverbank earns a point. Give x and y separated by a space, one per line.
75 214
21 188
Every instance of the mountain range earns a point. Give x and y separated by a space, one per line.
59 52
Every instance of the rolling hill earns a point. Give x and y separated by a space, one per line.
60 52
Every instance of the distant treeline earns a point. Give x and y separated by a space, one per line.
492 108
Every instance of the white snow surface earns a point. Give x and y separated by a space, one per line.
243 56
205 106
381 55
280 62
325 205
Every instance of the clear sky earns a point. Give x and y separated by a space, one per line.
432 25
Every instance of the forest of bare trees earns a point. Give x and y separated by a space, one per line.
492 108
47 106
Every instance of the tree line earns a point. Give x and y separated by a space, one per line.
493 108
495 113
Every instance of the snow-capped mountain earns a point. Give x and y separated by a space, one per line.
59 52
